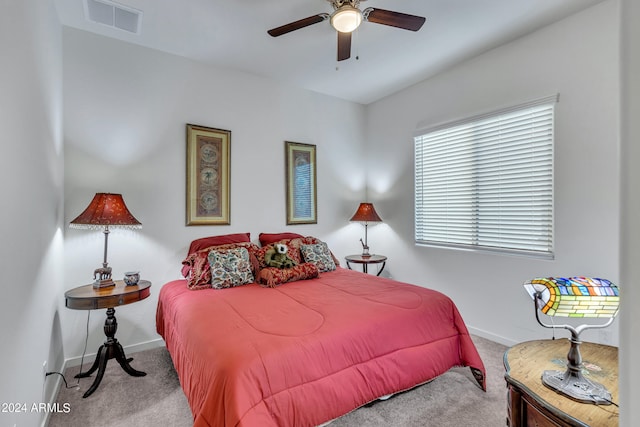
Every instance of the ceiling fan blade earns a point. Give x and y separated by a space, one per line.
292 26
394 19
344 46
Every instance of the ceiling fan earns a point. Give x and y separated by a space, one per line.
346 17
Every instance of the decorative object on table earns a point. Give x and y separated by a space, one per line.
300 161
131 278
105 211
531 403
276 256
576 297
208 175
365 214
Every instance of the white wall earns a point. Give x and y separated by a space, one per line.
125 112
31 184
577 58
630 227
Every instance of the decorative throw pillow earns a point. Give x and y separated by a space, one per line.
230 267
272 276
199 274
224 239
207 242
267 238
320 255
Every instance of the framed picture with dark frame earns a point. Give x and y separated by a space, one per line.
300 161
208 174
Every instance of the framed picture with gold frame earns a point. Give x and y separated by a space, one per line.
208 174
300 161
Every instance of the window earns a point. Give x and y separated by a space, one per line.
487 182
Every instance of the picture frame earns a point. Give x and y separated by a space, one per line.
208 175
301 189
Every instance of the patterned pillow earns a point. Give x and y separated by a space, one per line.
207 242
199 276
230 267
320 255
272 276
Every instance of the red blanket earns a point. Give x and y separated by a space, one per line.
307 352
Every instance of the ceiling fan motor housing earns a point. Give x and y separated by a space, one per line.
346 18
337 4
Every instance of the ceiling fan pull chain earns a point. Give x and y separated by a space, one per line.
356 42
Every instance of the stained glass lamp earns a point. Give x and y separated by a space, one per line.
577 297
105 210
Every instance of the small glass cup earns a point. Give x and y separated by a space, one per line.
131 278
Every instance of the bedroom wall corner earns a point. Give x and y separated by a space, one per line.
577 57
31 171
125 133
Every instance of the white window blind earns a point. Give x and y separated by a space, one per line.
487 182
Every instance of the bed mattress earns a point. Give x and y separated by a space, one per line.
307 352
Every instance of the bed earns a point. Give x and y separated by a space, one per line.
304 352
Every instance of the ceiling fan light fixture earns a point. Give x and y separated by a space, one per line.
346 19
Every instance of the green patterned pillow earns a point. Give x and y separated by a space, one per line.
230 267
320 255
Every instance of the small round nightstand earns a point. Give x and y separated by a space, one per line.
365 260
89 298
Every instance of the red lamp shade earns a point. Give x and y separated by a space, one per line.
366 213
106 210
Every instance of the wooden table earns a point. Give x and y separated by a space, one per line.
89 298
531 403
365 260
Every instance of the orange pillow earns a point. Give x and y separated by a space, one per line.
267 238
224 239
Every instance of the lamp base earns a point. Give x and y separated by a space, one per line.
98 284
102 277
576 387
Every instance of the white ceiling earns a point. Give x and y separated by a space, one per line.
233 34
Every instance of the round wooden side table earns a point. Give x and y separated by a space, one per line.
89 298
365 260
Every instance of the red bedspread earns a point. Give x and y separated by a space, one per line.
307 352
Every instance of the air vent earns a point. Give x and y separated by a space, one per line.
113 15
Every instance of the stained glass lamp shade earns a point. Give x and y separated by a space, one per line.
105 210
577 297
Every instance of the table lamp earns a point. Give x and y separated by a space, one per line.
365 214
576 297
105 211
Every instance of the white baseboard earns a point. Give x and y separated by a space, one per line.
88 360
493 337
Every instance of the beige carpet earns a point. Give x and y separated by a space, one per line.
156 400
